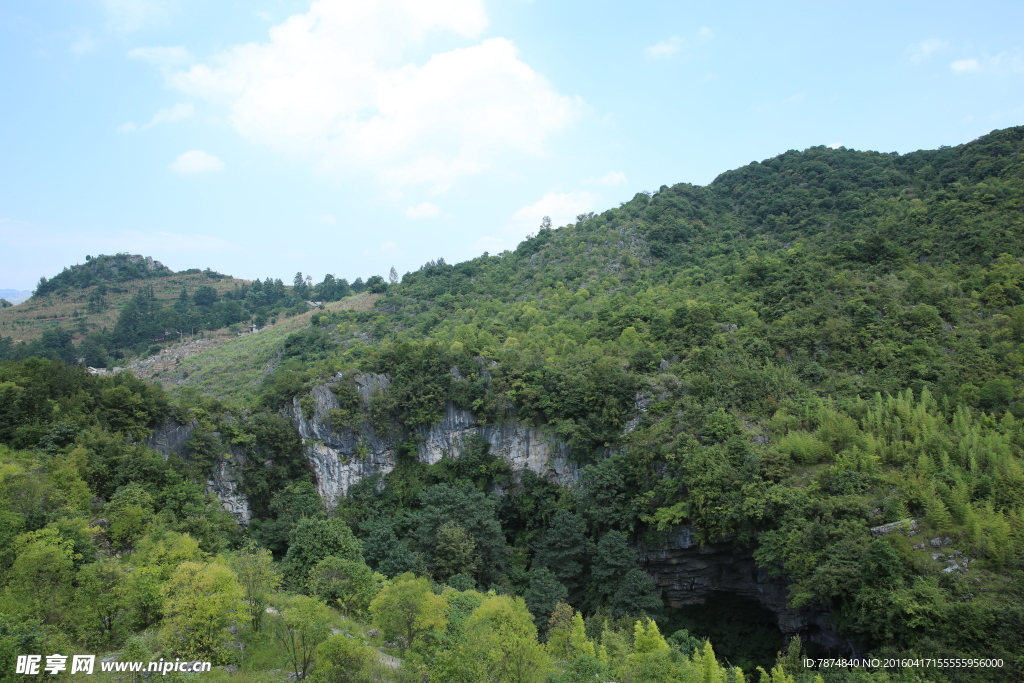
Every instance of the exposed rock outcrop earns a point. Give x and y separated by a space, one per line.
222 481
342 455
523 447
170 437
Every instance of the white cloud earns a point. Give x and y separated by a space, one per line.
424 210
609 178
196 161
836 145
919 52
664 48
670 46
82 44
964 65
335 85
1002 64
161 56
176 113
131 15
562 207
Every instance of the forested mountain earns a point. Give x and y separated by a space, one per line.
815 362
115 307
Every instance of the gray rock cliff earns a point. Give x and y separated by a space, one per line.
342 455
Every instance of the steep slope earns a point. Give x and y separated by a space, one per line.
804 350
799 386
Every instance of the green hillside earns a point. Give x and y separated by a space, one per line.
785 360
112 309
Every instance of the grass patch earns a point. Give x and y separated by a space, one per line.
233 370
74 311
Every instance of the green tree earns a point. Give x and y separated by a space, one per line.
476 515
40 577
100 602
385 552
501 633
455 552
135 650
544 592
130 512
565 550
259 578
344 659
205 296
201 601
303 623
406 610
350 584
568 640
314 539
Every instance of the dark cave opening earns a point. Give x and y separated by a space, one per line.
743 633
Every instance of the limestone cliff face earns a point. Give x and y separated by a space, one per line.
523 447
342 455
222 481
689 573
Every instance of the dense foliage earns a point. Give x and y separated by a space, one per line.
104 269
804 350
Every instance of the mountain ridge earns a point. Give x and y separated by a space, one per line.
798 388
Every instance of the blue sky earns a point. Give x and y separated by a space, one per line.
266 137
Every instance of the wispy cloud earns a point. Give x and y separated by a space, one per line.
1002 64
670 46
178 112
161 56
609 178
131 15
561 207
960 66
82 43
196 161
665 48
424 210
919 52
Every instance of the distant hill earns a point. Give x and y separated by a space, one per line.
109 269
124 305
14 296
89 297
